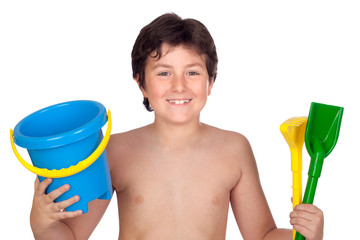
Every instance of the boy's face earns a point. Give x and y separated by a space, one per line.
177 84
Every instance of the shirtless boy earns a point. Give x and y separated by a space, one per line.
174 178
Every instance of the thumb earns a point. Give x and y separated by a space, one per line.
36 183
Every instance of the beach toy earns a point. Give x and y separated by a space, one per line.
293 131
65 142
321 135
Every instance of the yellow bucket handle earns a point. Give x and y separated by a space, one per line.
65 172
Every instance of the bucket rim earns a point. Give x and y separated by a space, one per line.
66 137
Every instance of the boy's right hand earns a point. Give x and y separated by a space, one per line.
45 213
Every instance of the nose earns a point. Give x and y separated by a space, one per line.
179 83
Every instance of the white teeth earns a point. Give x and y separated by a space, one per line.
179 101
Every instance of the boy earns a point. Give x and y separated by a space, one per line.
174 178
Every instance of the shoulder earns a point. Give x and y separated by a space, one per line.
235 146
230 139
235 151
121 151
122 145
124 139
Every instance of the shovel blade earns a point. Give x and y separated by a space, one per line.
323 127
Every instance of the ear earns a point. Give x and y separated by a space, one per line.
211 84
141 88
137 79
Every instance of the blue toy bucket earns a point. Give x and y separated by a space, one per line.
65 142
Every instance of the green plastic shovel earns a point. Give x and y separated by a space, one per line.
321 135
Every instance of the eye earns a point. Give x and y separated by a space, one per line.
193 73
164 74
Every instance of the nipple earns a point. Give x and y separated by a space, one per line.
139 199
215 201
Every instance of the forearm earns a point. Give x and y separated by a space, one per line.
279 234
58 232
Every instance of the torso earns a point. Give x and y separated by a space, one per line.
174 193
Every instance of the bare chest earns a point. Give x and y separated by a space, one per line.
178 174
179 192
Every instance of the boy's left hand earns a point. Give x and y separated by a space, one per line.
308 220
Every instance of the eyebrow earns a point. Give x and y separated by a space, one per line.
195 65
164 65
158 65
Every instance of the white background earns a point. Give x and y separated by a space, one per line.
275 58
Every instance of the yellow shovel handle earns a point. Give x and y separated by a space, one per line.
65 172
296 168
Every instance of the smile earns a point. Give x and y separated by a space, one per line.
178 102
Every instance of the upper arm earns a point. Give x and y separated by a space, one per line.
84 225
247 198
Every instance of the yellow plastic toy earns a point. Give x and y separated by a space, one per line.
293 131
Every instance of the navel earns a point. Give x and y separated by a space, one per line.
215 201
139 199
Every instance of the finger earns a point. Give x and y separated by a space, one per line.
36 183
300 214
307 208
300 224
66 203
58 192
300 218
41 187
306 232
64 214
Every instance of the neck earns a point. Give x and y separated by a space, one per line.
177 134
